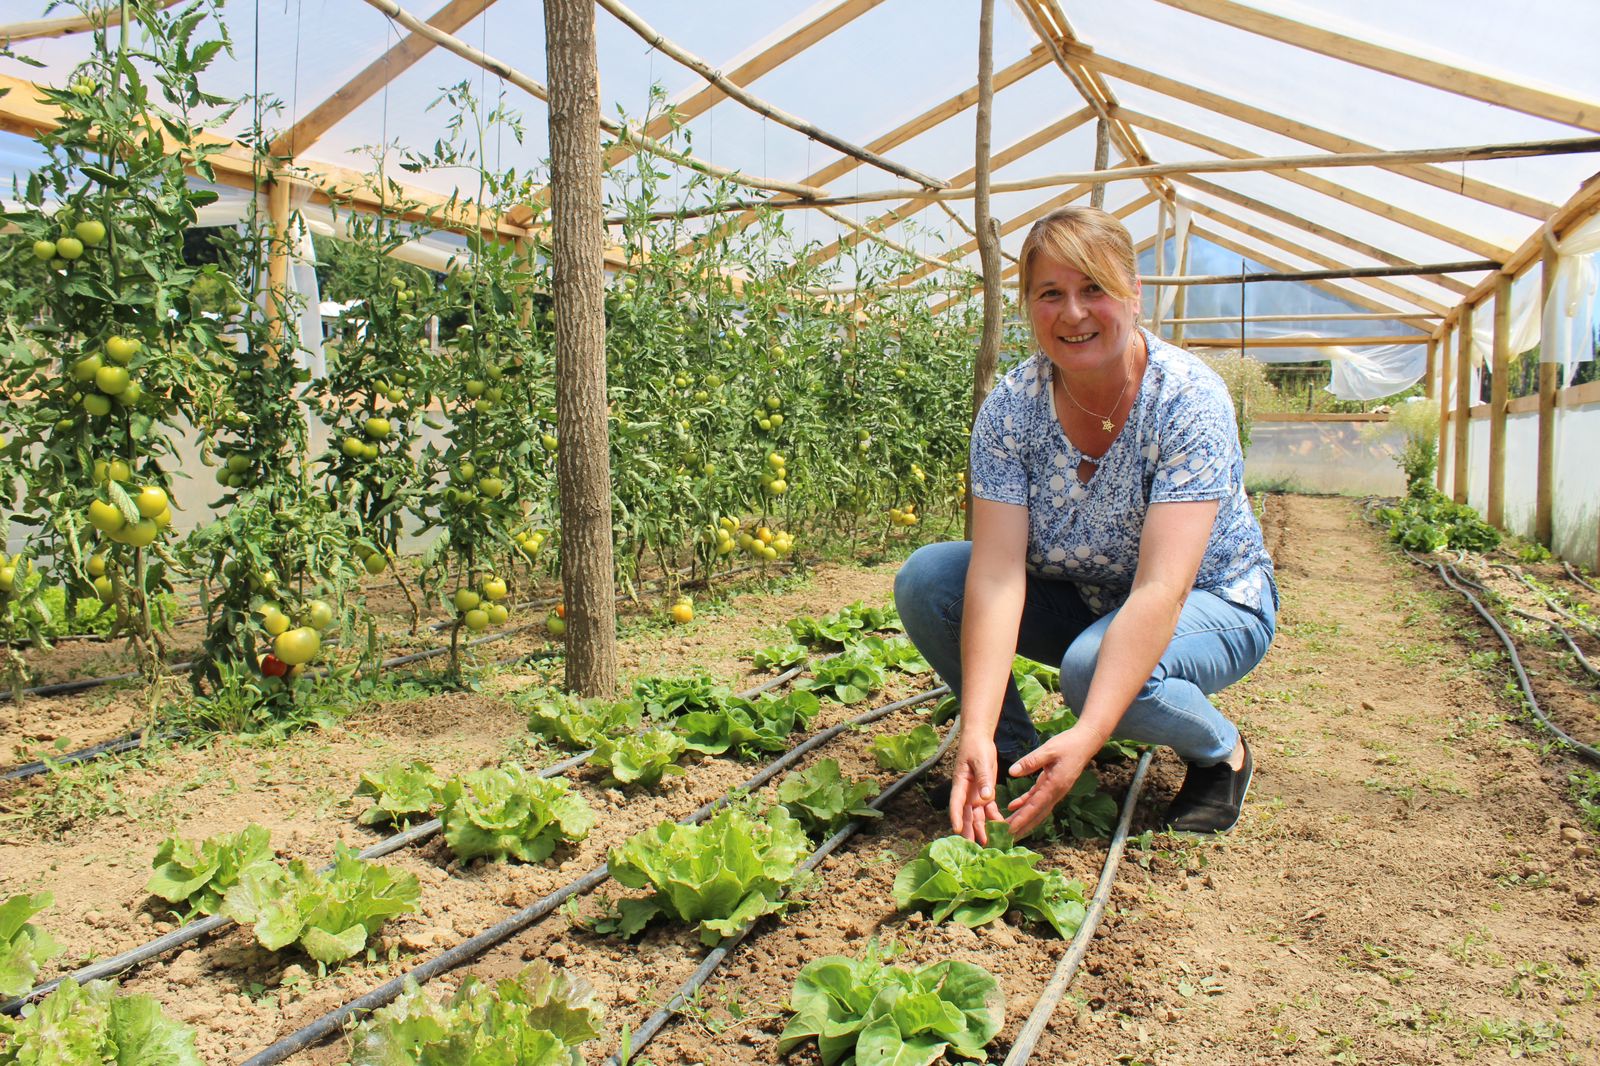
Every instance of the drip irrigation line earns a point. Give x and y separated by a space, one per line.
193 931
653 1025
1561 631
1067 968
1579 578
1585 750
498 933
1583 624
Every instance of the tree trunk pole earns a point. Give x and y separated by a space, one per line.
583 459
988 233
1102 160
1498 395
1549 381
1463 413
1444 409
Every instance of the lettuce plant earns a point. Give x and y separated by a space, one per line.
641 758
195 877
849 677
864 1011
542 1016
401 793
781 656
669 697
507 812
721 874
904 752
843 625
895 653
962 880
741 725
24 947
76 1025
329 914
577 722
1085 811
821 800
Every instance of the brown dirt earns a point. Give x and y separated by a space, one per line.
1408 884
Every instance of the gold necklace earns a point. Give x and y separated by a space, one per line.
1105 420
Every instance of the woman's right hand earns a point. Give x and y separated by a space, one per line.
972 789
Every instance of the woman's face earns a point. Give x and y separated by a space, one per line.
1077 324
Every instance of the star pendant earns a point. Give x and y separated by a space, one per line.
1107 425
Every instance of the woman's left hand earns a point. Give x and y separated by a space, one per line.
1058 762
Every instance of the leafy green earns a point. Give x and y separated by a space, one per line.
781 656
402 792
866 1012
640 758
24 947
90 1025
904 752
329 914
197 876
1426 520
822 802
895 653
579 723
1034 681
843 625
506 811
669 697
721 874
1085 811
745 725
960 879
849 677
542 1016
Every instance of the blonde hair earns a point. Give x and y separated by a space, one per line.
1087 239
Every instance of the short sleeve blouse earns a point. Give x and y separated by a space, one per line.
1180 442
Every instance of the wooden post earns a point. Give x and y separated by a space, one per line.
1499 370
1180 303
1161 266
1463 401
277 264
1102 159
988 230
1428 385
1444 407
583 459
1549 381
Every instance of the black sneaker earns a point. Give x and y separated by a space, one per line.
1211 797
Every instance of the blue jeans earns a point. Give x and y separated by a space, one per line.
1215 644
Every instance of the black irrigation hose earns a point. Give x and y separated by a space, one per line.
652 1025
474 946
1588 752
1561 631
1574 575
1583 624
127 960
1067 968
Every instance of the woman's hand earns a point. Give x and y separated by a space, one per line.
1059 762
972 789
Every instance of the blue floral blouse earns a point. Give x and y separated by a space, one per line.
1179 443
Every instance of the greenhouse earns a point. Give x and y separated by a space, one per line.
491 493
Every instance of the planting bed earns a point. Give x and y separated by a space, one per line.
1410 883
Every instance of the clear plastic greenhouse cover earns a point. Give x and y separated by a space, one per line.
877 64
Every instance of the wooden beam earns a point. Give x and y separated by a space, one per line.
1102 159
33 29
1180 302
1544 491
1438 177
361 88
1475 85
1330 234
1303 342
988 228
1382 208
1444 410
1500 367
1428 386
1354 316
277 263
1463 404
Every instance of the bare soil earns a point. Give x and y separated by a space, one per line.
1409 884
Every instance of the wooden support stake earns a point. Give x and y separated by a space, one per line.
1161 264
1499 371
1549 381
988 231
1180 302
1463 403
277 262
583 459
1444 408
1428 386
1102 159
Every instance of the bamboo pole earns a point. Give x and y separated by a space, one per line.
1444 408
32 29
583 460
1499 370
987 227
1549 381
1102 158
737 92
1463 403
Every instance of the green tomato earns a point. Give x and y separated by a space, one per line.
84 369
352 447
375 562
69 248
491 487
238 464
44 251
377 428
111 380
297 646
91 232
151 501
122 349
466 599
96 404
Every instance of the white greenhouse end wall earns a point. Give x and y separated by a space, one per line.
1351 456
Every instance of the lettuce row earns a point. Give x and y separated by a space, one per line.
90 1025
721 874
541 1017
579 723
24 947
640 759
505 812
401 793
195 877
744 725
822 802
904 752
961 880
849 677
329 914
866 1012
843 625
